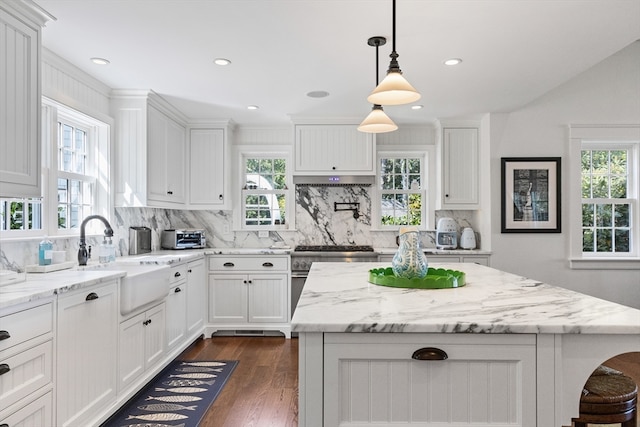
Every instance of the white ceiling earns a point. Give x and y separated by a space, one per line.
513 51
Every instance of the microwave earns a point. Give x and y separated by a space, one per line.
183 239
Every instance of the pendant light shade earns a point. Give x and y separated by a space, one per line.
377 121
394 88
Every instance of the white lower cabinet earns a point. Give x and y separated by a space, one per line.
483 381
142 344
248 292
176 305
26 366
37 413
196 297
86 343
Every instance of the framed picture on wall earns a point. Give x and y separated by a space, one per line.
530 195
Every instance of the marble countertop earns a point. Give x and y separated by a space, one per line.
434 251
46 285
337 297
248 251
170 257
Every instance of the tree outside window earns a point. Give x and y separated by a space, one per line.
401 191
265 192
605 205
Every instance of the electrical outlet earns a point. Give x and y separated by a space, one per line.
225 229
263 233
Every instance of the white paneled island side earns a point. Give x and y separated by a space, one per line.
502 350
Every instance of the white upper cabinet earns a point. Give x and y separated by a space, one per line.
150 147
460 168
20 157
207 151
333 150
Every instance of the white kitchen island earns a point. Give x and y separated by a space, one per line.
518 351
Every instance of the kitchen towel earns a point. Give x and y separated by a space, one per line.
178 396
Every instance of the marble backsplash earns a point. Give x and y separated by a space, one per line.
316 224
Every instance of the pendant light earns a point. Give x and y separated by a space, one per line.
377 121
394 89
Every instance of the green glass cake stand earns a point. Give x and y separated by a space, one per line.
436 278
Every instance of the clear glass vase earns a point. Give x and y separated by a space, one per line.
409 260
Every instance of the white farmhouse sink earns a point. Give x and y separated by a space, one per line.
143 284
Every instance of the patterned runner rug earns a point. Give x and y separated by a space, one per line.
177 397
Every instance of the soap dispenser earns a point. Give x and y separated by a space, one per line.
111 251
45 252
103 251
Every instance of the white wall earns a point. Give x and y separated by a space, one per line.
608 93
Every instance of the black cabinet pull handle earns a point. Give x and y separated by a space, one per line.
228 264
177 274
429 353
220 197
3 336
333 167
148 321
189 271
4 368
91 296
177 290
267 264
169 192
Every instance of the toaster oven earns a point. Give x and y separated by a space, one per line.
183 239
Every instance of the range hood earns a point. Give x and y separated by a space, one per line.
334 180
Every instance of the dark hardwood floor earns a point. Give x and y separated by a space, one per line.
263 389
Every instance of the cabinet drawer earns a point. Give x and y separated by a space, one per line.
25 373
249 263
38 413
380 382
178 273
24 325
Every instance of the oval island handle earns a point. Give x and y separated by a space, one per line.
429 353
91 296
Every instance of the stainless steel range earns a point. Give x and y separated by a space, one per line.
303 256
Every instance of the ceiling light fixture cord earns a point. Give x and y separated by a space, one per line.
394 88
377 121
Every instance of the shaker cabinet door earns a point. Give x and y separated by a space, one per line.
206 168
460 168
20 155
478 384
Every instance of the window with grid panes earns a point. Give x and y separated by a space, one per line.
75 176
401 191
607 200
265 192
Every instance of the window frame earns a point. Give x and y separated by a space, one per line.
605 137
262 152
100 152
427 188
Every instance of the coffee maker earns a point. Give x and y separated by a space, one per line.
447 234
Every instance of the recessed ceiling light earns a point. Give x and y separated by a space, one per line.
221 61
417 107
252 107
318 94
100 61
452 61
